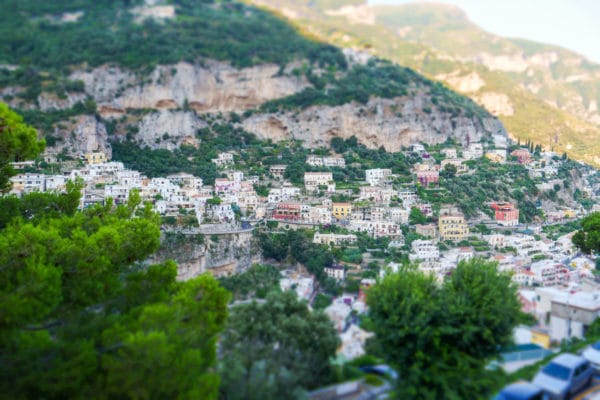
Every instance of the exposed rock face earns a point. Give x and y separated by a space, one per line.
213 87
49 101
378 126
169 129
172 102
84 135
229 253
355 14
496 103
515 62
467 84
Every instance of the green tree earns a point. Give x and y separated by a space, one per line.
81 317
440 337
587 239
275 349
18 142
257 282
449 171
36 206
416 216
214 201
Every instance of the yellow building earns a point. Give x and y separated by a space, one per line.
95 158
341 210
495 157
540 337
453 227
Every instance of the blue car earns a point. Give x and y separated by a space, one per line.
521 391
564 376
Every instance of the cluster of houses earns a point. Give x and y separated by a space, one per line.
378 207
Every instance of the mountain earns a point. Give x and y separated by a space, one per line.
542 93
160 75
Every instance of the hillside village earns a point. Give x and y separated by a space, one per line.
207 199
376 222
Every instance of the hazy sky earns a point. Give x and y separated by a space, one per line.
574 24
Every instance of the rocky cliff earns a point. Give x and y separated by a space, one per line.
166 107
219 254
391 123
209 87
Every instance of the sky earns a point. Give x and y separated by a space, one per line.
573 24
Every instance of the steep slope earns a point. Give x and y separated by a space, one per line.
540 92
163 74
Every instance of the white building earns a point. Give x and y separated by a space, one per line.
56 182
334 238
119 193
549 273
449 152
375 228
185 180
398 215
572 313
334 162
284 193
27 183
314 180
377 176
424 250
317 214
475 150
336 272
223 159
129 178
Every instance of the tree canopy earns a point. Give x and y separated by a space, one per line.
80 316
587 239
276 348
18 142
440 337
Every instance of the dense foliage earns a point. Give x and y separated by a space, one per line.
296 245
256 282
18 142
378 78
275 349
37 206
194 160
488 182
441 337
79 317
110 32
587 239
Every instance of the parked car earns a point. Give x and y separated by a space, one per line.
521 391
564 376
592 354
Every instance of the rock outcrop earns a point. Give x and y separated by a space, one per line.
220 254
213 87
82 134
169 129
391 123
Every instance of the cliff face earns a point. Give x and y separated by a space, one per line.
391 123
212 87
165 108
221 254
81 134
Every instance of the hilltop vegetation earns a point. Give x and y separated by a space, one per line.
45 48
551 94
377 78
108 32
